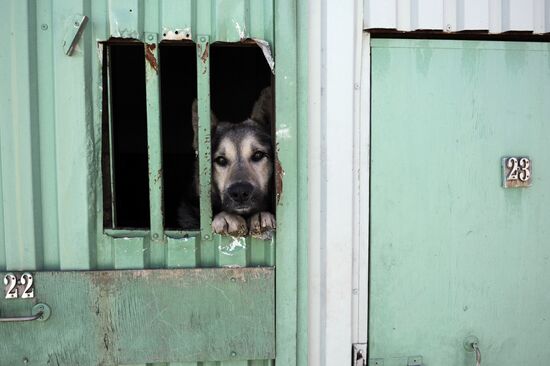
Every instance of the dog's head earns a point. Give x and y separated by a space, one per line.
242 160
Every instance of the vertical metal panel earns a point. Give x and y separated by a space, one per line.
471 273
154 134
19 140
203 135
74 149
287 180
380 14
495 16
57 102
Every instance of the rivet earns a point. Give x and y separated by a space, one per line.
76 24
233 279
207 237
44 26
355 291
150 37
25 360
155 236
203 39
233 354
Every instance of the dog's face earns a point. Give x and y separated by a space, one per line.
242 160
242 167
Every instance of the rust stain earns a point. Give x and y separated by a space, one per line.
204 55
279 173
150 56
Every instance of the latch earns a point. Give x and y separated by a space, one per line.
74 32
359 354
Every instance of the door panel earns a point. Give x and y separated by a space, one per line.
453 254
133 316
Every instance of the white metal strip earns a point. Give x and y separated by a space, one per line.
496 16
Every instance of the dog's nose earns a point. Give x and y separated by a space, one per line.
240 192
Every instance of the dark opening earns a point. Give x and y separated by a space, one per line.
178 80
238 73
237 76
129 139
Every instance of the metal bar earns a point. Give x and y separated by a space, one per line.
205 166
21 318
154 134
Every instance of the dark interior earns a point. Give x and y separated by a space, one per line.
237 74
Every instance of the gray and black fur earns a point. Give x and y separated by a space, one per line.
242 170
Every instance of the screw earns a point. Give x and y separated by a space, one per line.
25 360
207 237
44 26
76 24
41 307
150 37
203 39
155 236
233 354
355 291
233 279
356 86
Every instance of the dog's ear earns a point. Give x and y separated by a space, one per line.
263 108
195 122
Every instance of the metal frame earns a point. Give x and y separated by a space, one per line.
339 177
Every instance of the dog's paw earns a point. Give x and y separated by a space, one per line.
262 225
229 224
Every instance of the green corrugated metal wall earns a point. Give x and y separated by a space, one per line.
50 144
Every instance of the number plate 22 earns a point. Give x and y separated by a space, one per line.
19 286
516 172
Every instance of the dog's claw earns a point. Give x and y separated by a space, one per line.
262 225
229 224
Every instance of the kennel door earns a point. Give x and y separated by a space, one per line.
454 254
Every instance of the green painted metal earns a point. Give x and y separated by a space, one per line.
453 254
154 141
50 146
204 131
144 315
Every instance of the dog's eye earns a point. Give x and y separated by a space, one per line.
258 155
221 161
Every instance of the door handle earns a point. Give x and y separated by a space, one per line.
471 344
39 312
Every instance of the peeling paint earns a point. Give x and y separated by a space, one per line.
177 34
240 31
204 53
229 249
150 56
266 49
283 133
279 174
99 51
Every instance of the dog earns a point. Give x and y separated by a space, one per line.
242 171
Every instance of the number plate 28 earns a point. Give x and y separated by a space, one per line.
516 172
16 286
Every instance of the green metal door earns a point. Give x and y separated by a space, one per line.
138 296
453 254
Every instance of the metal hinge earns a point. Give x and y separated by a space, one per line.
359 354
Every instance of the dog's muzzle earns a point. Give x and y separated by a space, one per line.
240 198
